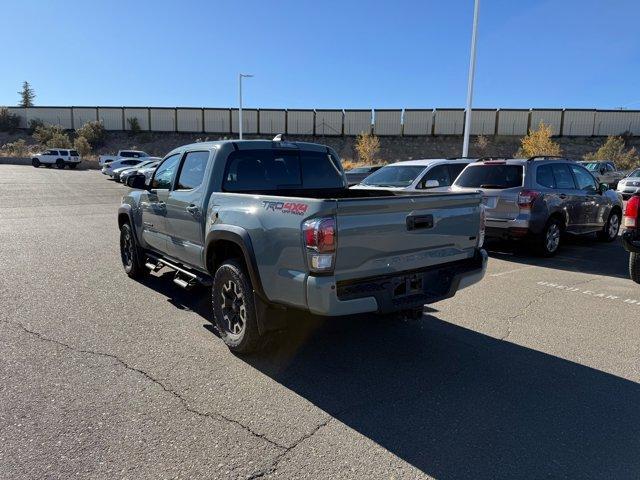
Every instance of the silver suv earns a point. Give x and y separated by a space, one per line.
541 198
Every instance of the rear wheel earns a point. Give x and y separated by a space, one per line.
72 166
234 308
549 241
634 266
60 163
35 162
130 254
610 230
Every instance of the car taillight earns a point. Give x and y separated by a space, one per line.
527 197
483 221
320 241
631 212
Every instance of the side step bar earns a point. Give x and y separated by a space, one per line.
183 277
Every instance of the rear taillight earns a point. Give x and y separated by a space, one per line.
631 213
483 221
320 242
527 197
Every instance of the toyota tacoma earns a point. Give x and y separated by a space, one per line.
273 228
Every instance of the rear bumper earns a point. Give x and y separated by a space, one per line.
630 241
394 292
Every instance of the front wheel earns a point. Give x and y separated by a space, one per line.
549 241
610 230
234 308
634 266
60 163
35 162
130 253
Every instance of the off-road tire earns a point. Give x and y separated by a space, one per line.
35 162
130 253
72 166
234 308
634 266
60 163
610 232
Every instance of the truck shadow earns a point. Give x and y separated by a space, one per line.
455 403
577 254
452 402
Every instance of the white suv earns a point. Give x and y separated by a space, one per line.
415 175
60 157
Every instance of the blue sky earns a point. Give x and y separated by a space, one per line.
322 54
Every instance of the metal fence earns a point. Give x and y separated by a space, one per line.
337 122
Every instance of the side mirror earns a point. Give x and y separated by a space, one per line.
431 184
603 187
138 182
602 170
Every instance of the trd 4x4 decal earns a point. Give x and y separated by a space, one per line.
286 207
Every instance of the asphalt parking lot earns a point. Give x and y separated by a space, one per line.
531 373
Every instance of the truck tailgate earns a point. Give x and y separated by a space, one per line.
383 235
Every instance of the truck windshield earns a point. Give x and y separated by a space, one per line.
394 176
269 170
490 176
592 166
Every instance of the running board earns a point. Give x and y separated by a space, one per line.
191 279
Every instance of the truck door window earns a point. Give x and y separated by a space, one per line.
163 177
192 170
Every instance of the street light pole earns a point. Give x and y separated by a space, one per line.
472 72
240 77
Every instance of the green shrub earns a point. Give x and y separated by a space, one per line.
614 149
134 125
34 123
59 140
44 133
8 121
15 149
93 132
82 145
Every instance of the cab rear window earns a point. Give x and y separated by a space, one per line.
495 176
258 170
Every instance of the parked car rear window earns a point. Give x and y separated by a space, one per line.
491 176
394 176
563 176
74 153
544 175
192 170
255 170
126 154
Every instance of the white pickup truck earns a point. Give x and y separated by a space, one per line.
105 159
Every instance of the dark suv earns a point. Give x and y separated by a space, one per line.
541 198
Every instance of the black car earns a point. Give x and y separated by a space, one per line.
356 175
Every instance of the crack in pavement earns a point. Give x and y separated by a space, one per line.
175 394
531 302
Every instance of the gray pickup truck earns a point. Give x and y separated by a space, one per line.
272 227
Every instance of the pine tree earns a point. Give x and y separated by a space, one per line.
27 95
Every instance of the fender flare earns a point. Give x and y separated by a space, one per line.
240 237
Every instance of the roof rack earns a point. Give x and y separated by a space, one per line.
461 158
546 157
487 159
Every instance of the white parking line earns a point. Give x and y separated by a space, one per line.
511 271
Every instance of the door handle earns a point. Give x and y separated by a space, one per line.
415 222
192 209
